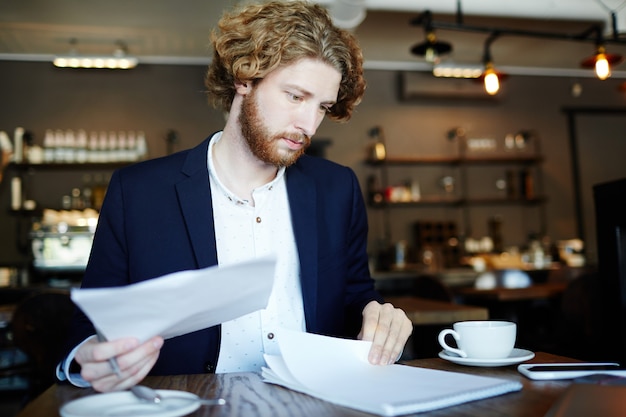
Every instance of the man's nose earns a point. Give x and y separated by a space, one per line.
309 120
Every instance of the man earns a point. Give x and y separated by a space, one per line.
246 192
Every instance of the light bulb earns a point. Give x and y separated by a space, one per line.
431 55
492 83
603 70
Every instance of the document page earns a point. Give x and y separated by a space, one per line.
337 370
180 302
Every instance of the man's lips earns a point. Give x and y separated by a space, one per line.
293 143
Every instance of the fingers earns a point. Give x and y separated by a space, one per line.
370 321
388 328
134 360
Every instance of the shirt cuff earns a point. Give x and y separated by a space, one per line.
63 368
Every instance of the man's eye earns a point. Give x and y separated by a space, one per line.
294 97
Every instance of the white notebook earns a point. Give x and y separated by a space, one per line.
337 371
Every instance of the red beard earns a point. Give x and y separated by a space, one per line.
262 143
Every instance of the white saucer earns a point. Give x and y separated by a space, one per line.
124 403
517 356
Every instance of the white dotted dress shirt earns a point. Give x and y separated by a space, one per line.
243 232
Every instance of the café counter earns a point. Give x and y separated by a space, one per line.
247 395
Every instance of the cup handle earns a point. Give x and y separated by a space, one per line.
445 346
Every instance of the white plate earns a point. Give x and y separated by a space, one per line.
124 403
517 356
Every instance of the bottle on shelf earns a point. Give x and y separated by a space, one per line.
142 146
18 145
103 143
121 153
6 151
48 146
16 193
495 232
526 184
81 147
92 147
33 153
377 150
59 146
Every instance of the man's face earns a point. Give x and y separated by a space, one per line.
282 112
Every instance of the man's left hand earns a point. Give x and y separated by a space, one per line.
388 328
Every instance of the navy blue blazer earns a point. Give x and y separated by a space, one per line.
157 218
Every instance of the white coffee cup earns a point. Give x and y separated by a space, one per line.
488 339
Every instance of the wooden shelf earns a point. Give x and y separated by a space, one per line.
438 201
424 201
490 201
456 160
68 166
399 160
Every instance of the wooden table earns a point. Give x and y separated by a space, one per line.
247 396
422 311
532 292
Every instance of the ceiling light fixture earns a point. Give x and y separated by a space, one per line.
490 77
431 49
118 60
602 62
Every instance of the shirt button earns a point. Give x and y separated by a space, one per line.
270 336
210 368
258 220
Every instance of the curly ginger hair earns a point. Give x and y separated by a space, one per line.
251 42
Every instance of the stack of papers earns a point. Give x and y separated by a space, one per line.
337 371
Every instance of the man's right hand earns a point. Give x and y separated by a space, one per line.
135 360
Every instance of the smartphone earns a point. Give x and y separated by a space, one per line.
547 371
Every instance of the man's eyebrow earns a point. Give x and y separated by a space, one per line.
307 93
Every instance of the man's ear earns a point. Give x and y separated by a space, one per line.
243 87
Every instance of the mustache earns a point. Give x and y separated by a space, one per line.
297 137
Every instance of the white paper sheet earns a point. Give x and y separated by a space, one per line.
180 302
337 370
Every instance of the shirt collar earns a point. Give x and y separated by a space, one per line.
213 173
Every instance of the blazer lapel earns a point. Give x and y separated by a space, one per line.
194 195
302 196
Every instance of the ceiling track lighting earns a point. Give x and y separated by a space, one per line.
119 59
601 61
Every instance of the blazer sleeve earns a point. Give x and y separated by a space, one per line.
330 227
360 286
142 234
